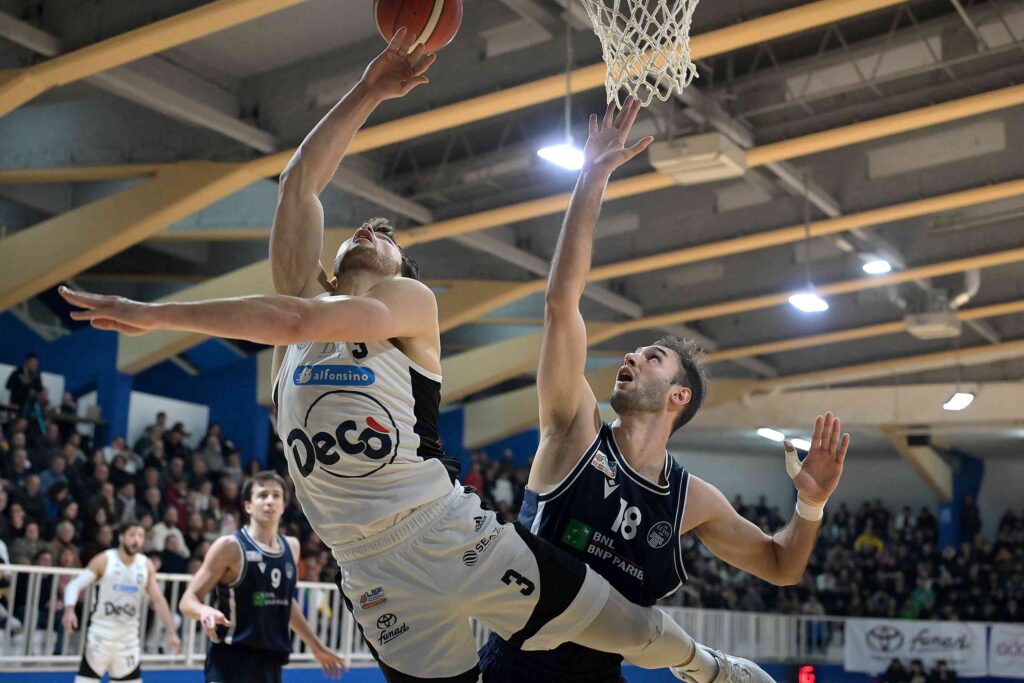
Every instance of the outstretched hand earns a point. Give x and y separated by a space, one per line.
819 472
605 150
114 313
400 68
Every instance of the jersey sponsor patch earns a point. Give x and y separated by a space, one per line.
125 588
603 464
390 628
253 555
592 542
333 375
266 599
372 598
659 535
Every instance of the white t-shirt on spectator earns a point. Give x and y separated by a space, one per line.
160 533
503 492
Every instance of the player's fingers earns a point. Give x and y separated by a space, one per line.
80 299
411 83
623 114
592 125
826 431
408 42
424 63
416 52
83 315
819 424
844 446
640 146
631 114
609 115
396 40
834 441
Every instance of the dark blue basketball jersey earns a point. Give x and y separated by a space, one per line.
259 602
622 525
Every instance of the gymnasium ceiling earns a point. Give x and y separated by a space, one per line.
153 174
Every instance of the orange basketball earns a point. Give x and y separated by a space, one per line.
434 22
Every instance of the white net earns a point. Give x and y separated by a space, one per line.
646 45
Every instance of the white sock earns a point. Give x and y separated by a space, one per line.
703 667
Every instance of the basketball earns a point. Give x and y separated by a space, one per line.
433 22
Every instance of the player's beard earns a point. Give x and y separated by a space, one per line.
645 398
365 259
128 551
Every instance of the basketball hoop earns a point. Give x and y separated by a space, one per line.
646 45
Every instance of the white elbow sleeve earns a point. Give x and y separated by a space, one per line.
76 585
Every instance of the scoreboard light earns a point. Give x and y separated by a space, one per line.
806 674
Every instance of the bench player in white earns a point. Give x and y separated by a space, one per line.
112 641
357 388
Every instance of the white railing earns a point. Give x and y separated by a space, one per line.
31 633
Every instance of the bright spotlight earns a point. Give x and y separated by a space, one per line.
959 401
877 266
801 444
808 302
771 434
566 155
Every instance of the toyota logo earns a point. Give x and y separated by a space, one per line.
386 620
884 638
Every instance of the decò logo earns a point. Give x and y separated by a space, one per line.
368 434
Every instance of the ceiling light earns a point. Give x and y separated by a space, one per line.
771 434
808 302
566 155
959 401
878 266
801 444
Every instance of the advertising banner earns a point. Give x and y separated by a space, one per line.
871 644
1006 651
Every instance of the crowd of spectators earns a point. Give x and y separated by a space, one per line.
869 561
915 672
64 497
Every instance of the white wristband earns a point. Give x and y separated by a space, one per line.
812 513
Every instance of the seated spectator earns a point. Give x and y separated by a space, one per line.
174 557
69 409
30 544
63 540
48 446
168 527
32 498
233 468
19 468
152 503
127 502
56 496
194 533
896 673
917 673
55 474
17 520
868 541
69 512
5 524
212 453
37 410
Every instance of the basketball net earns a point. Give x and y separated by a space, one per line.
646 45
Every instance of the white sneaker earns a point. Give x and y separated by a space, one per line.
730 670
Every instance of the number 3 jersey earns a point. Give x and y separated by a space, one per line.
622 525
358 422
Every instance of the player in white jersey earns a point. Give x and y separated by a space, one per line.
357 379
112 642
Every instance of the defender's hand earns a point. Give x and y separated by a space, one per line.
605 150
331 663
175 642
398 70
211 618
114 313
819 472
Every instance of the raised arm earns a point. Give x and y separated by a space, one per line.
222 563
782 557
296 240
163 611
563 391
395 308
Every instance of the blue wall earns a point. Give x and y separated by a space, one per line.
88 360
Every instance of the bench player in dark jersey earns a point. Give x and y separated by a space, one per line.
610 494
253 573
358 395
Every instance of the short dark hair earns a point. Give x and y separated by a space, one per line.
692 374
262 478
128 524
382 226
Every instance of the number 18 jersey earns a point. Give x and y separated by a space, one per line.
622 525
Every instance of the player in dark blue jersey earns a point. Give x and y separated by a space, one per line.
611 494
253 572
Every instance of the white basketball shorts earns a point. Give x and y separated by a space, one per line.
414 587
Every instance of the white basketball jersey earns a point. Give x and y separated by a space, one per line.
118 606
359 427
